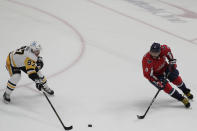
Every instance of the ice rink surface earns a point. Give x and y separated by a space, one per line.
92 52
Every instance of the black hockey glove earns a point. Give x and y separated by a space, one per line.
161 84
157 84
40 63
39 84
172 65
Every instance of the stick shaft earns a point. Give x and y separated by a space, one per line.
53 109
152 102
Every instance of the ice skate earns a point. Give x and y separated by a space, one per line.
186 102
189 96
6 98
48 90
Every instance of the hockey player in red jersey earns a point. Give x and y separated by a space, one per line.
160 72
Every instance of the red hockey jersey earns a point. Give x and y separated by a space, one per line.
153 67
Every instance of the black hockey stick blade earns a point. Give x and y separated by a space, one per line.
68 128
140 117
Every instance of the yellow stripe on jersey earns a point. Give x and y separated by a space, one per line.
8 65
13 62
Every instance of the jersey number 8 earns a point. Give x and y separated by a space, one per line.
30 62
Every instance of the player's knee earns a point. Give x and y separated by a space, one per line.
15 78
178 81
44 80
12 82
168 88
173 75
40 74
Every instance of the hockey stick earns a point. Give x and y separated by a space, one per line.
66 128
142 117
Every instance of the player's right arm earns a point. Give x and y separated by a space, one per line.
147 69
147 66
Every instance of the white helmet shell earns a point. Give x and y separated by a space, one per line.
35 46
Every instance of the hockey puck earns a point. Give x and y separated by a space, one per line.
89 125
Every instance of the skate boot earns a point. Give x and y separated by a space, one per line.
186 102
189 95
45 86
6 98
48 90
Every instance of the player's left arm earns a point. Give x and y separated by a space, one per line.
31 68
168 53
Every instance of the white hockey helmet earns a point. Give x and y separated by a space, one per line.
35 47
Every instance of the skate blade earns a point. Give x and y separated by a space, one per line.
6 102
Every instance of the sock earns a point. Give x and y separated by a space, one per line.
175 94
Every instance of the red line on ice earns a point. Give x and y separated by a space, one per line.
194 39
65 23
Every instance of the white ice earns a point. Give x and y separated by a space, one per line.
92 52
